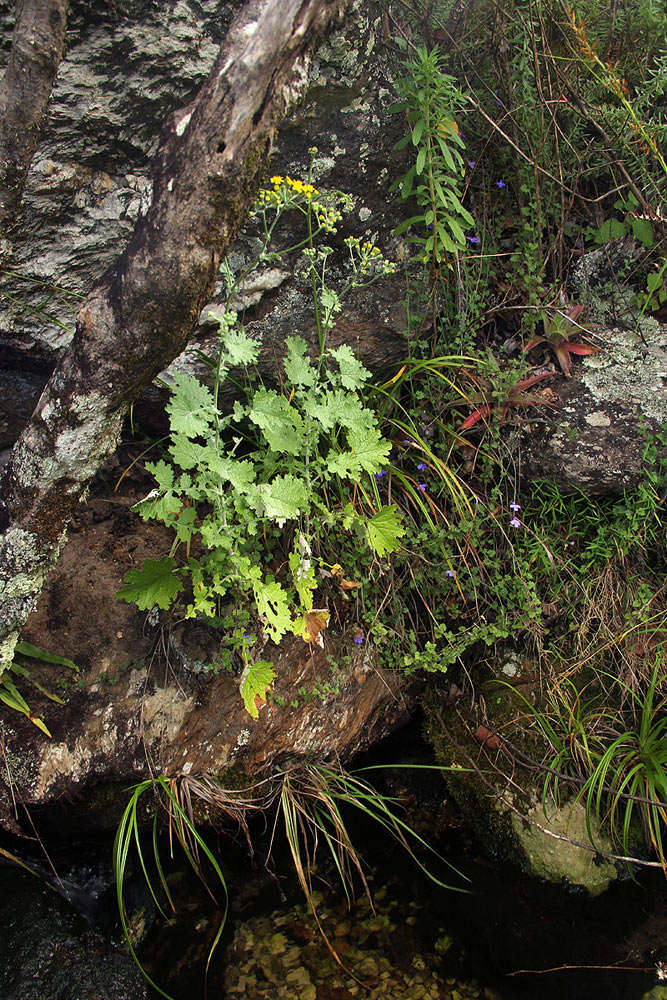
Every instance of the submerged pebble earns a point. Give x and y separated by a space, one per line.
296 963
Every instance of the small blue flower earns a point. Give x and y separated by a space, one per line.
472 164
515 506
421 466
515 523
501 184
450 572
381 474
359 639
472 239
422 487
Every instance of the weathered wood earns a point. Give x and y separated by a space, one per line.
204 177
37 48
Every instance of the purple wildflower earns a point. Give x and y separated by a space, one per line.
381 474
515 523
472 164
515 506
450 572
472 239
422 487
421 466
501 184
359 639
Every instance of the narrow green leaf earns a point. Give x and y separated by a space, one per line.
36 653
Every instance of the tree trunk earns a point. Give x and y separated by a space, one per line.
204 177
37 48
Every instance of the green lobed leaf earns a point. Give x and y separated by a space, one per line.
298 369
240 348
281 424
368 452
353 375
190 408
239 473
256 680
184 524
339 407
155 583
162 508
384 529
272 604
189 455
163 473
284 498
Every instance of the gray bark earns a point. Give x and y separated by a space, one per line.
204 177
37 48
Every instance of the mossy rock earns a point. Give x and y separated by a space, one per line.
493 808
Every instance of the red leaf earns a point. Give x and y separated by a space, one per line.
526 383
581 349
533 342
564 359
470 421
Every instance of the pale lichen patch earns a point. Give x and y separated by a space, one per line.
163 714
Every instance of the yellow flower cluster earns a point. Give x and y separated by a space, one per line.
368 256
327 217
295 186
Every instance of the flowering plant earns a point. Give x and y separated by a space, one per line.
278 470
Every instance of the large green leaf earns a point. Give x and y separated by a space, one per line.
256 680
240 348
190 407
239 473
284 498
163 473
384 530
298 369
280 423
339 407
353 375
274 607
188 454
155 583
368 452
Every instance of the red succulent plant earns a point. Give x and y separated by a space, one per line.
558 329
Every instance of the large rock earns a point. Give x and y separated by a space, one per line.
142 703
613 406
127 66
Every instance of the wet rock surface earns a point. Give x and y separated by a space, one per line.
47 952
